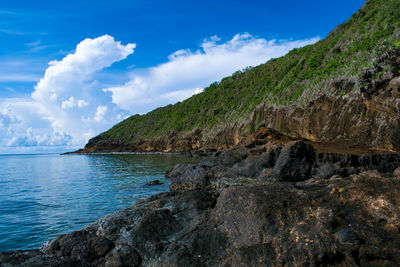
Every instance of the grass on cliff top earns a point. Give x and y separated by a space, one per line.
293 78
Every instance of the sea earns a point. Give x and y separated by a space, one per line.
45 195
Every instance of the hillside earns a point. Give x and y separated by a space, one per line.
309 176
353 65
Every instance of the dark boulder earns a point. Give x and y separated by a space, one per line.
295 162
80 245
155 182
188 177
346 236
231 156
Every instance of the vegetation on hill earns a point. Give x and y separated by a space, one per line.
295 78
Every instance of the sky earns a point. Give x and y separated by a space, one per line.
70 70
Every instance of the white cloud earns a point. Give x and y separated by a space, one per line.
68 105
53 115
68 82
29 139
22 125
186 71
100 112
91 55
71 102
82 103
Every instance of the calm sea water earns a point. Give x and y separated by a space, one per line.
42 196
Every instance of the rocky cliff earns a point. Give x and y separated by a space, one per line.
353 120
344 89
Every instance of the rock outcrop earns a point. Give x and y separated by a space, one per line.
281 203
372 122
357 119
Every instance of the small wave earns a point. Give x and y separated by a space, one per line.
14 206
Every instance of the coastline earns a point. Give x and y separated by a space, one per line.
268 203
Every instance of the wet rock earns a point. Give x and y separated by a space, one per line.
295 162
155 182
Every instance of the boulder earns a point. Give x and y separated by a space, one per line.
188 177
295 162
346 236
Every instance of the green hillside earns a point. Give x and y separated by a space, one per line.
295 78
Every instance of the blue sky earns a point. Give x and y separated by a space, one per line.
112 59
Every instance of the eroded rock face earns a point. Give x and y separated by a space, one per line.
337 221
356 119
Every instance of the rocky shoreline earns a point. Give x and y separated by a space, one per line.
268 202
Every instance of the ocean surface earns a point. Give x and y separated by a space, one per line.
43 196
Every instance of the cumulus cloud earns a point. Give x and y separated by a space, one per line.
186 71
68 105
71 102
22 126
53 114
91 55
100 112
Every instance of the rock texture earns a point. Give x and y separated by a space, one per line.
280 203
372 121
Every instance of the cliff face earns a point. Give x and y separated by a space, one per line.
343 89
355 121
352 121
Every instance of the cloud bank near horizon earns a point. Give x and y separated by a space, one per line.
69 105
